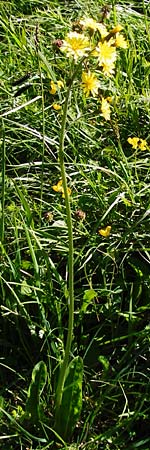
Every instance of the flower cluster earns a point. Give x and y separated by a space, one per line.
78 45
137 143
95 41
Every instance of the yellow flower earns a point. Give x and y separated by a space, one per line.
116 29
105 109
60 84
59 188
69 192
53 88
120 41
133 141
76 45
138 143
56 106
106 53
109 99
108 69
93 25
105 232
89 23
142 144
90 83
102 29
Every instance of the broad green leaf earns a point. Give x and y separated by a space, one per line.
69 412
25 288
39 376
89 295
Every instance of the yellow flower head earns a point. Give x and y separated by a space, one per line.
108 69
56 106
105 232
90 83
117 29
89 23
60 84
138 143
133 141
59 188
106 53
53 88
120 41
142 144
105 109
109 99
94 26
69 192
76 45
102 29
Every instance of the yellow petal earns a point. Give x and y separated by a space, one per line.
56 106
69 192
58 187
133 141
53 88
120 41
142 144
105 232
60 84
105 109
117 29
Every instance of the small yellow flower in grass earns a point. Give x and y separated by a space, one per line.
117 29
120 41
89 23
69 192
109 99
108 69
53 88
105 109
56 106
90 83
60 84
76 45
59 188
133 141
106 53
142 144
94 26
102 29
105 232
138 143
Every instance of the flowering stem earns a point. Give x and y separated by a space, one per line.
62 374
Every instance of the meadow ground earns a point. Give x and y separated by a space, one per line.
75 177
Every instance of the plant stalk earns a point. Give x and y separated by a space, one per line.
62 374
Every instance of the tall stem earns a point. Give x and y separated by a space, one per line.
65 362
